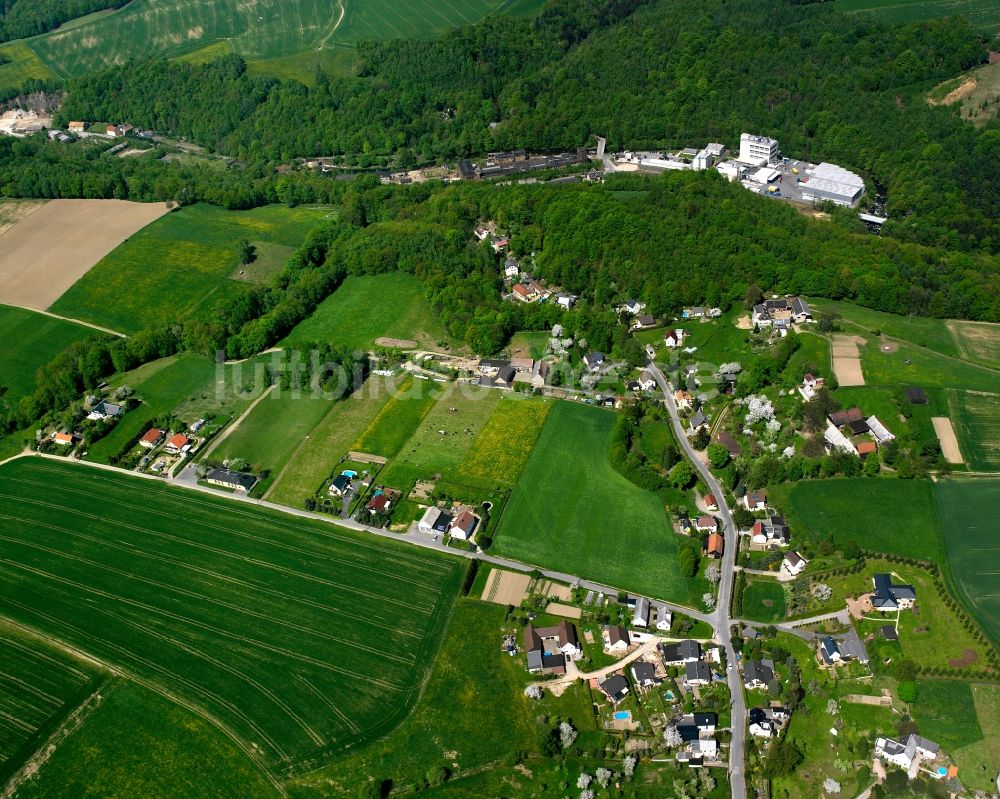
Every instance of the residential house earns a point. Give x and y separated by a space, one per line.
697 421
757 674
643 321
646 381
780 312
888 596
499 244
434 521
490 366
464 524
731 444
380 503
523 293
77 127
771 532
706 723
697 752
664 618
64 439
105 410
566 301
843 649
615 639
615 688
151 438
761 725
505 377
511 268
536 288
644 675
593 361
237 481
711 503
548 648
697 312
879 431
714 313
633 307
810 385
177 443
640 615
715 545
341 485
674 338
793 564
678 654
683 400
697 673
540 373
755 499
706 524
902 752
481 232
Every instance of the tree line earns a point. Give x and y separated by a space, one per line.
23 18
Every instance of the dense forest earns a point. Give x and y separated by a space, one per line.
21 18
828 86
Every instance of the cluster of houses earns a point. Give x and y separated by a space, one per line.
100 411
714 544
849 431
780 313
504 373
460 522
700 312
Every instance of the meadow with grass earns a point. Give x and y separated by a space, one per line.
976 419
367 307
762 599
885 515
180 264
295 639
395 422
504 444
972 541
983 14
572 511
39 338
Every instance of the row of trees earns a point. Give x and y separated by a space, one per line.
22 18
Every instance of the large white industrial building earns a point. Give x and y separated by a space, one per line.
758 150
834 183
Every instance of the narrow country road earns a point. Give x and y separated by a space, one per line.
720 618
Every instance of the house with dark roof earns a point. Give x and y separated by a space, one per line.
731 444
380 503
757 674
677 654
644 675
340 485
548 648
105 410
760 724
772 532
887 596
616 639
615 688
841 418
843 649
902 752
697 421
593 361
505 376
490 366
238 481
793 564
697 672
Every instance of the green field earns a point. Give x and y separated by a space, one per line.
178 265
256 29
366 307
296 639
389 430
983 14
467 719
139 743
926 368
504 444
763 600
893 516
976 418
972 537
276 427
39 685
571 511
39 339
328 442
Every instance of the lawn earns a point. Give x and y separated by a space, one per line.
975 415
274 430
39 339
763 600
946 714
979 341
718 341
571 511
654 438
466 719
410 402
39 686
885 515
983 14
367 307
162 385
969 518
813 355
504 444
529 344
139 743
262 623
178 265
977 761
19 64
328 442
926 369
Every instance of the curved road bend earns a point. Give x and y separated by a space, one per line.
720 618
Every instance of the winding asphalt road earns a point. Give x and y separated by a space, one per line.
720 619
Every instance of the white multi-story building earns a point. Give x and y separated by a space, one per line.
758 150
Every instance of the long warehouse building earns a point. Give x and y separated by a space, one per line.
831 182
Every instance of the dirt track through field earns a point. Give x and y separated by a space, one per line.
847 360
945 432
47 251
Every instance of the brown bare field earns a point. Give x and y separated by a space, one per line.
949 441
13 210
45 252
566 611
977 341
396 343
556 591
506 588
847 360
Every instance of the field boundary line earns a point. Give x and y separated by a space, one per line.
295 453
81 322
236 423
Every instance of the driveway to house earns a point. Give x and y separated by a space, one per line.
558 685
720 618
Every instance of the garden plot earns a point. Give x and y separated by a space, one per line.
949 441
506 588
847 360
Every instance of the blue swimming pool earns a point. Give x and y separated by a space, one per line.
623 715
349 473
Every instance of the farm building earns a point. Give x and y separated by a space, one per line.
238 481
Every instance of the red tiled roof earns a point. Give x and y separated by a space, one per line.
178 441
715 544
152 435
866 448
378 503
